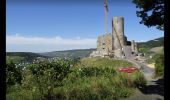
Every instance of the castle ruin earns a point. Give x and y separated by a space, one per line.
115 45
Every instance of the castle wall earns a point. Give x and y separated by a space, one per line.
127 51
104 42
119 40
118 32
136 47
99 43
125 40
108 42
115 44
133 45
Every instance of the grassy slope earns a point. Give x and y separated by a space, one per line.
146 46
98 78
156 49
89 79
152 43
104 62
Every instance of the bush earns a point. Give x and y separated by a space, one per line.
139 80
13 73
159 65
93 83
39 80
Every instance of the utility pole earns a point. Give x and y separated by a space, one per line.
106 15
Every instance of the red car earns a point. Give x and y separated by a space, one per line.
128 69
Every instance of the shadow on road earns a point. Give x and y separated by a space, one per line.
157 88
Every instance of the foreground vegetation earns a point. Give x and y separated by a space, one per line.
157 57
158 60
88 78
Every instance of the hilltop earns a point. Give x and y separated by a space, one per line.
152 43
148 46
81 53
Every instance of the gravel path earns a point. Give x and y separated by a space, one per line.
155 87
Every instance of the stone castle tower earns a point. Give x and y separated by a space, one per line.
115 44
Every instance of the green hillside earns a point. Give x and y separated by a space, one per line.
22 56
146 46
79 53
152 43
29 56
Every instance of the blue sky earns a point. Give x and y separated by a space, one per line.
48 25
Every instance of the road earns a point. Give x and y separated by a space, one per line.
154 89
147 71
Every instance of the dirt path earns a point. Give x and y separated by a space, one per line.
154 89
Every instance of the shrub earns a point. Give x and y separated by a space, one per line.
139 80
159 65
41 78
13 73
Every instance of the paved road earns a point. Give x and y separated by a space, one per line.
147 71
155 87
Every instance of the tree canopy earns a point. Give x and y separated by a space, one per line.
151 12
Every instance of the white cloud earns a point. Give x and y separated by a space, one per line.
20 40
141 40
22 43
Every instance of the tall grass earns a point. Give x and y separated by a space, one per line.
99 79
89 79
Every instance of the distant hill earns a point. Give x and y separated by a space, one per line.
152 43
146 47
23 56
29 56
78 53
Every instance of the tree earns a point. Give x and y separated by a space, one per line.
151 12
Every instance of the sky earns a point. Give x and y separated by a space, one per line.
54 25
